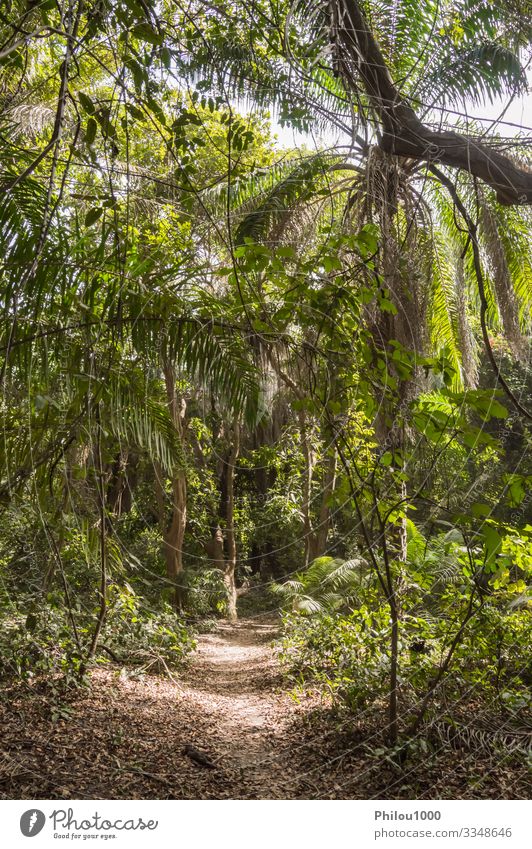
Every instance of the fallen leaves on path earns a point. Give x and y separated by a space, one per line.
127 738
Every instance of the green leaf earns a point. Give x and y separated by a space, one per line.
331 263
387 306
138 73
86 102
146 33
481 511
135 112
492 542
90 132
93 215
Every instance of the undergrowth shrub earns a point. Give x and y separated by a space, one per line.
33 644
346 657
205 592
154 639
337 629
42 641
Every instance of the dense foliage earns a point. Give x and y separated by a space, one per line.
237 369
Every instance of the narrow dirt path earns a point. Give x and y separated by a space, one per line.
126 736
235 681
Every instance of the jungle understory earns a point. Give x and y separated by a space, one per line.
125 738
265 399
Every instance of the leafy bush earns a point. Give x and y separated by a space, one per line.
343 655
43 642
206 593
337 633
157 640
36 643
346 656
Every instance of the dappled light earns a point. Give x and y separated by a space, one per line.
266 399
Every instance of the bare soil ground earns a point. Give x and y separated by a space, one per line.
124 738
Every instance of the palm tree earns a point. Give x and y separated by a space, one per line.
371 69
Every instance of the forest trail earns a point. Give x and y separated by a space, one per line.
235 682
125 736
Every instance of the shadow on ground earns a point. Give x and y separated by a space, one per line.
124 739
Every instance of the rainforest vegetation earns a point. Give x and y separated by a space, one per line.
266 399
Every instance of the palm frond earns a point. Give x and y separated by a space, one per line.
134 416
327 584
284 199
443 308
481 72
499 273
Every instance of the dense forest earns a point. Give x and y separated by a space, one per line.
265 456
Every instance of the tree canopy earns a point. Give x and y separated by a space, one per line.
241 374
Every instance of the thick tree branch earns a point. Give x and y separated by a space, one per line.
360 59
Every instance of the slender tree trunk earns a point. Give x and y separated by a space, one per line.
102 613
394 669
386 580
391 588
173 533
230 539
117 483
264 477
174 537
306 494
406 326
318 542
308 457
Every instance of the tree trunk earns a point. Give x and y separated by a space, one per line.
393 717
173 533
308 457
230 540
318 542
102 613
306 494
360 60
405 326
121 481
261 559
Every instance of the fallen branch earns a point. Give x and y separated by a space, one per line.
151 775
